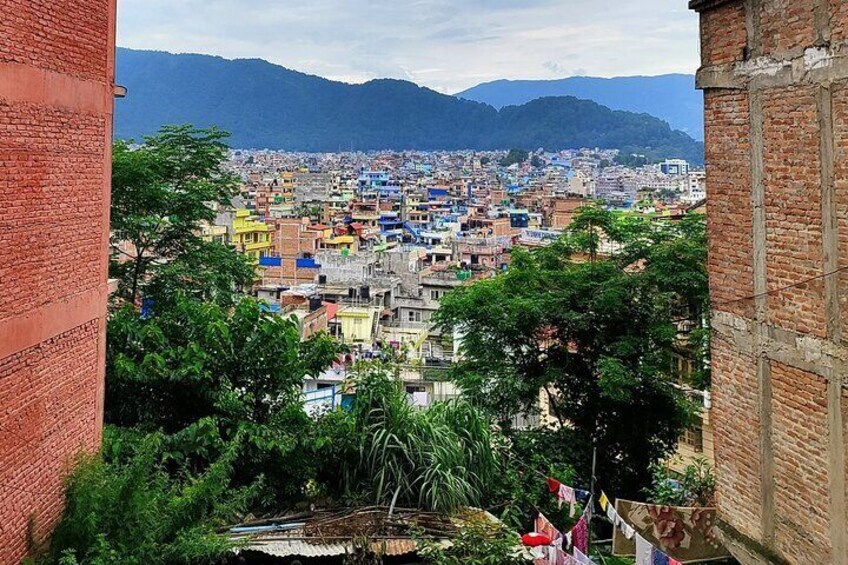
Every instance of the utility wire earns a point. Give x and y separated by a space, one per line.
781 289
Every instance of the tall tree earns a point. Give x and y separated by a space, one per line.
207 375
596 338
163 193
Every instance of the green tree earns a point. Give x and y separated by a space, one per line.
205 374
515 156
163 193
596 338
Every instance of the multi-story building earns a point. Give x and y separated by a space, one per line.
250 235
675 167
57 67
775 76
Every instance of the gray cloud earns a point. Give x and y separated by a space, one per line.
448 45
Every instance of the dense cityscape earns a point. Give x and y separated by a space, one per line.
548 319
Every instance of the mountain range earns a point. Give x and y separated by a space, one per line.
672 98
268 106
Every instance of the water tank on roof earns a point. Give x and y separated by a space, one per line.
322 279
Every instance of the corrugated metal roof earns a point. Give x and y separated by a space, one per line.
279 547
328 534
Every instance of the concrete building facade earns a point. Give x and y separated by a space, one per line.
56 100
775 78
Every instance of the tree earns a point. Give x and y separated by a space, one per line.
163 193
596 338
515 156
205 375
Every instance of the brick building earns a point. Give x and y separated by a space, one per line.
56 89
775 77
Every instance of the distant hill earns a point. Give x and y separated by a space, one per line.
268 106
672 98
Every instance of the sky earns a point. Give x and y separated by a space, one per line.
447 45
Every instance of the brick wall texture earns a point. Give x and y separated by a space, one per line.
54 201
777 177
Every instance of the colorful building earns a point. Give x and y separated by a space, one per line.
251 236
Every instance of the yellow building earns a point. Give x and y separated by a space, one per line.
251 236
358 324
344 243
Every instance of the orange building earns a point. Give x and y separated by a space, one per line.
57 63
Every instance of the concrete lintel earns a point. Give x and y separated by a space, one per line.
807 353
813 65
720 77
706 5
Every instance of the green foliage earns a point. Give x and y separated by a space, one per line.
131 510
205 375
515 156
529 457
694 487
202 391
631 160
596 337
162 195
384 449
477 543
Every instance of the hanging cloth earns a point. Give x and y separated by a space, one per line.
658 557
627 530
567 494
613 515
544 526
582 558
580 535
644 551
604 501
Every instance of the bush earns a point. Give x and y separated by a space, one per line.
477 543
130 510
385 450
694 487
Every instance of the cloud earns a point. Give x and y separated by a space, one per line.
459 43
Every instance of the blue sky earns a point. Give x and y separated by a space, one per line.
448 45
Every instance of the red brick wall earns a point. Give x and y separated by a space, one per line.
840 131
799 412
52 221
728 156
51 419
839 20
793 209
736 426
787 25
66 36
56 84
723 36
780 454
